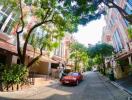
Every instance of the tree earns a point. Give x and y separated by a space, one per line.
48 15
99 52
92 9
78 53
130 32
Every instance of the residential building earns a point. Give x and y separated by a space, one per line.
61 54
117 29
7 40
8 50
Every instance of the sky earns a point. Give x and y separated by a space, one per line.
90 33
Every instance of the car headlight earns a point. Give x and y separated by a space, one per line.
74 79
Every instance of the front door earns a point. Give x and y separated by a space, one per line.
2 59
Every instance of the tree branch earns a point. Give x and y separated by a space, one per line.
109 6
36 58
47 14
18 48
18 33
122 12
29 33
21 18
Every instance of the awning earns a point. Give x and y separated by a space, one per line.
9 47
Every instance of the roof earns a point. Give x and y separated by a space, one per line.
9 47
123 55
13 49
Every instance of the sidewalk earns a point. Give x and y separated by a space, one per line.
124 84
41 85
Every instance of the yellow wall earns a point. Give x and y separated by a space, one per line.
40 68
118 72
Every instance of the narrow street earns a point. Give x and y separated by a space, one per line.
94 87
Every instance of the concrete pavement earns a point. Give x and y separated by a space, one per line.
94 87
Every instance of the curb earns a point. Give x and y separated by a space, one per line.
120 87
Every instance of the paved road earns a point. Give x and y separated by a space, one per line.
94 87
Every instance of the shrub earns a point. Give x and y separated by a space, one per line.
15 74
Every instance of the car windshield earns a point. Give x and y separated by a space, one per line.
73 74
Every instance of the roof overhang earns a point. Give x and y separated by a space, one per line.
8 47
124 55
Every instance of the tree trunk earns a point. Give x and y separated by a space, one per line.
75 65
123 13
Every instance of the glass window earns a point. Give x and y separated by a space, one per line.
118 42
126 22
73 74
6 10
5 15
115 43
2 19
129 2
8 27
3 9
128 9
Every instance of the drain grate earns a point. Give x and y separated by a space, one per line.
129 98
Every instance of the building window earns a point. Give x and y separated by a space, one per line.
129 2
8 27
6 19
6 10
128 9
2 19
117 40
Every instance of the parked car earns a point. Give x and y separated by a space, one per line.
72 78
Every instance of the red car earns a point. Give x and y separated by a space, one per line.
72 78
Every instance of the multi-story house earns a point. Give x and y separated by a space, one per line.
8 51
7 39
117 29
61 54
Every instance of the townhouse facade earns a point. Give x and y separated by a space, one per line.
61 55
7 40
8 50
116 27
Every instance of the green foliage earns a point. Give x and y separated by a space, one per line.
98 53
100 49
130 65
130 32
79 55
15 74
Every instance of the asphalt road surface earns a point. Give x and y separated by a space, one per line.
94 87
